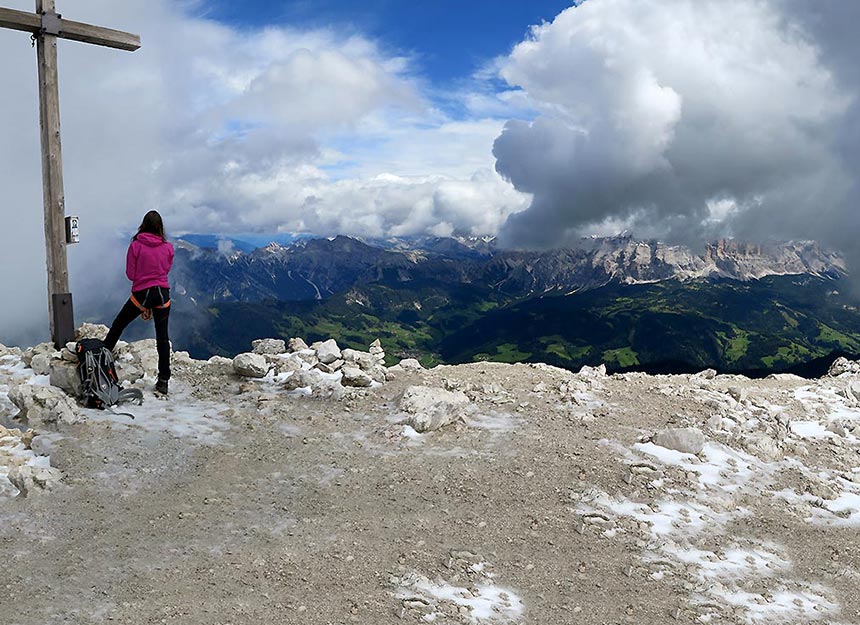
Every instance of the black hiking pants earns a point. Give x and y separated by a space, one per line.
148 298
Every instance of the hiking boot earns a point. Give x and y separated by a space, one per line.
161 386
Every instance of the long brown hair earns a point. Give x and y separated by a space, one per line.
152 224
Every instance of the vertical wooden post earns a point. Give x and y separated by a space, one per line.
62 325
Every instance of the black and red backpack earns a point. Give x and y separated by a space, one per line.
99 380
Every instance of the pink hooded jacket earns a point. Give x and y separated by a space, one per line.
148 261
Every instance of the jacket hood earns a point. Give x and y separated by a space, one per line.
152 240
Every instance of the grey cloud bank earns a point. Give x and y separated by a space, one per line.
686 120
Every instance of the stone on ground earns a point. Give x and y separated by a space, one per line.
269 346
44 405
410 364
685 440
34 480
842 366
251 365
432 408
353 376
296 345
327 351
65 375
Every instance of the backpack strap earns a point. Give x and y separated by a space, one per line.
117 412
130 394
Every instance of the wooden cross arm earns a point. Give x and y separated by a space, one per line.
76 31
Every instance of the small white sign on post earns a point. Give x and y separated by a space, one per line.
72 233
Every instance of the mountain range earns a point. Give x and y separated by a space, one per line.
316 269
733 306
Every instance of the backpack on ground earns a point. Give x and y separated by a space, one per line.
99 379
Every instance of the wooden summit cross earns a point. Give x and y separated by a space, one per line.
46 26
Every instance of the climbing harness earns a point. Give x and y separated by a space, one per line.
146 312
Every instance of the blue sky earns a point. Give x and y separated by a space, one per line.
449 39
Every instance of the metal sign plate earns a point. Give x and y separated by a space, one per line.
51 23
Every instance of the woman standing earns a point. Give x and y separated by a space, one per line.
149 259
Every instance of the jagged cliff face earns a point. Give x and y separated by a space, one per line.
318 268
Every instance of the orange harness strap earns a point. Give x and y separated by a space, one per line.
146 313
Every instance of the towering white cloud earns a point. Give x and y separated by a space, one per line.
681 119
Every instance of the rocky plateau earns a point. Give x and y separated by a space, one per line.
312 484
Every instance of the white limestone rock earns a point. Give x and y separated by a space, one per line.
685 440
91 331
376 351
327 351
68 352
843 366
269 346
296 345
593 372
738 393
65 375
31 352
851 391
329 368
284 363
410 364
144 354
129 372
353 376
34 479
10 351
706 374
432 408
378 373
219 365
44 405
251 365
838 428
362 360
303 378
181 358
763 446
41 364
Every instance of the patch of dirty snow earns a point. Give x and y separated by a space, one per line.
180 415
484 602
781 606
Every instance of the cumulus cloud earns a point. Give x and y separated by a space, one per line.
683 119
226 131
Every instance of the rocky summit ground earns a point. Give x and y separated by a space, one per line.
475 494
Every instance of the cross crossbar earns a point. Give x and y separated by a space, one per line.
76 31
